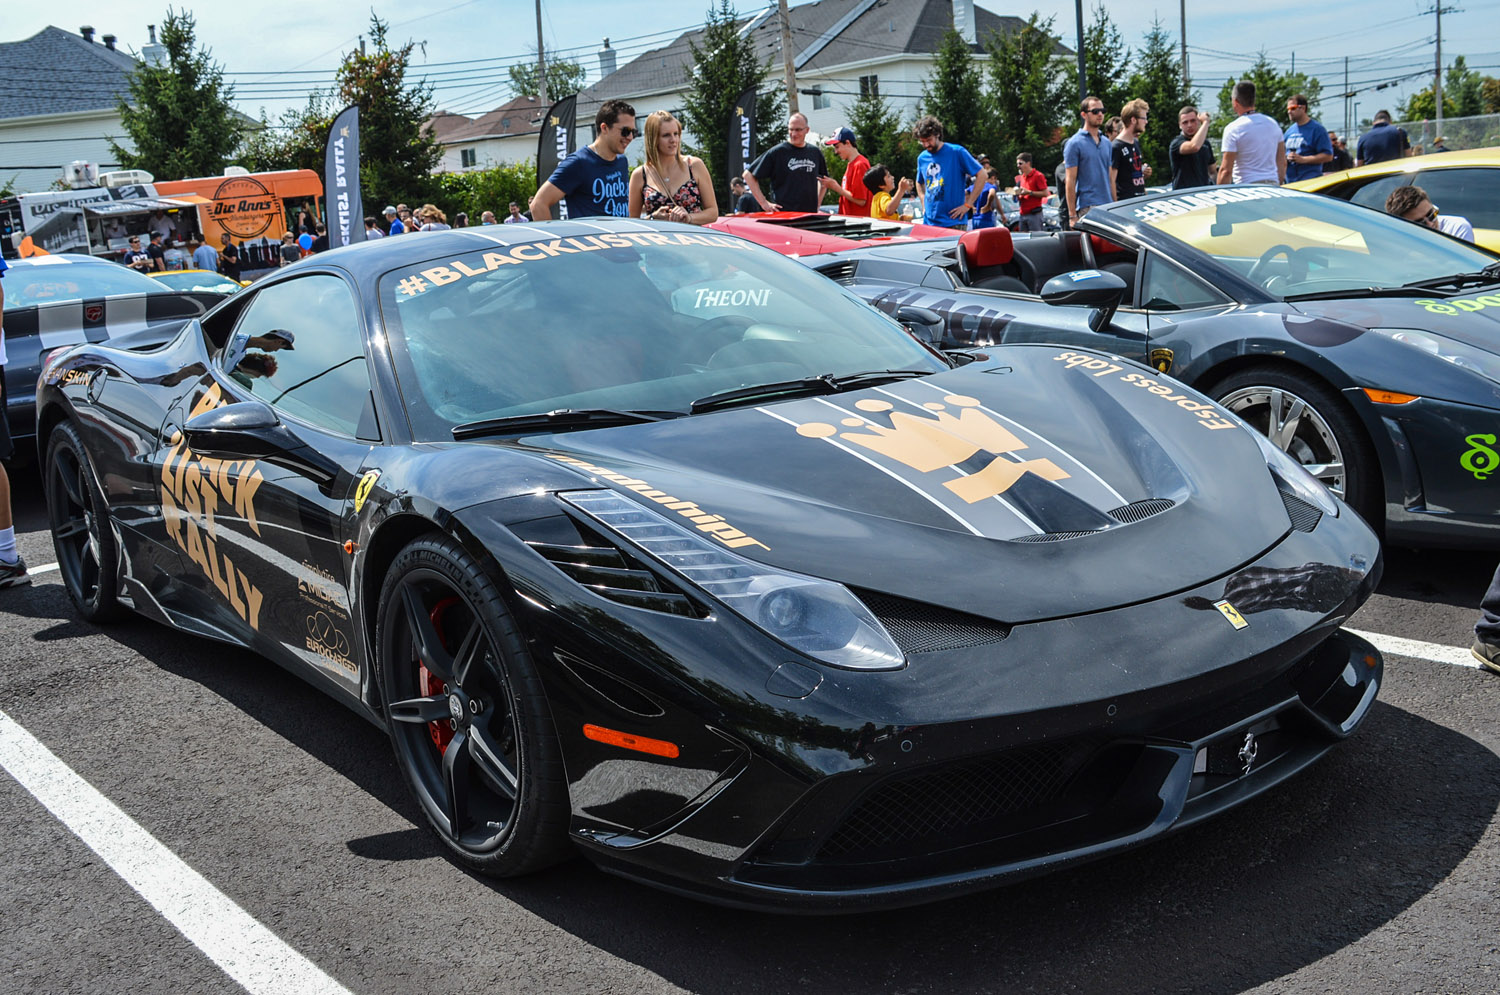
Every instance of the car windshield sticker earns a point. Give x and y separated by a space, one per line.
1457 304
420 281
1168 206
712 524
1480 460
1209 416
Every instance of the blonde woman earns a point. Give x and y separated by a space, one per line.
433 219
671 186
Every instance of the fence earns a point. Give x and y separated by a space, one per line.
1480 131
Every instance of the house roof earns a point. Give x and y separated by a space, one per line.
825 34
521 116
58 72
444 123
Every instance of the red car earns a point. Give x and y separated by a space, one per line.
795 233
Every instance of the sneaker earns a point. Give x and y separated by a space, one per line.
1488 654
14 575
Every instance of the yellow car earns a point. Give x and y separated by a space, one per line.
199 279
1462 183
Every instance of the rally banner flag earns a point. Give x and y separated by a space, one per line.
555 143
741 145
346 211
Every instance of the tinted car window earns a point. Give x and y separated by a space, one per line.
622 320
1468 193
45 282
1165 287
1374 193
299 348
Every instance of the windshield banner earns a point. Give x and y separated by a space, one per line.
346 212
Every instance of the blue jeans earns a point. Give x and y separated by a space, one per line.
1487 629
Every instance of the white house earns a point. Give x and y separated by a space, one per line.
506 134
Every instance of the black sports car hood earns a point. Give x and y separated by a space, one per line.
969 487
1472 317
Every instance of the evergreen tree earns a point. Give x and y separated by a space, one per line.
1272 88
295 143
1489 92
563 78
1106 62
881 136
180 115
954 94
1030 90
397 154
723 67
1158 81
1463 95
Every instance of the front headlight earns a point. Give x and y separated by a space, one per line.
813 616
1294 476
1486 364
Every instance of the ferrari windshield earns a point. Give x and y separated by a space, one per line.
1293 243
629 321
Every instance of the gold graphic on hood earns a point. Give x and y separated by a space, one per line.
929 444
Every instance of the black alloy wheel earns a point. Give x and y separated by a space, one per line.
467 714
84 542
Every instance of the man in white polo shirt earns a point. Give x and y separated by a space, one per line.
1253 146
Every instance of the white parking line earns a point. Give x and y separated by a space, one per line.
247 951
1458 656
41 569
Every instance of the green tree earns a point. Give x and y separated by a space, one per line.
1272 88
1158 81
563 78
1490 95
1466 88
1030 91
478 190
882 137
954 94
1106 62
296 142
180 115
398 153
1421 106
724 65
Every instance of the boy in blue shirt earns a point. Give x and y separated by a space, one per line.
943 170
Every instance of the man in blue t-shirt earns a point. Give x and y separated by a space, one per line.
595 180
1308 146
1087 156
943 173
1382 143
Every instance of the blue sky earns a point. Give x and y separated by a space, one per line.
276 50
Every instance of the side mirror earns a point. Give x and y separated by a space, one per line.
923 324
252 429
1087 288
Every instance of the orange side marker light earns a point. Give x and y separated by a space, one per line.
349 546
626 741
1390 396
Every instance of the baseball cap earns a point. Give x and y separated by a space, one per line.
842 135
389 210
281 333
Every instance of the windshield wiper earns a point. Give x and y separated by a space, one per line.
1332 295
823 383
562 418
1489 274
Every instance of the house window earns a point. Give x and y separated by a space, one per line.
869 86
467 157
821 100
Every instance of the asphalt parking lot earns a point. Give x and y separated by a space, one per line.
1377 871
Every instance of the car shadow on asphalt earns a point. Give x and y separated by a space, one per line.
1437 576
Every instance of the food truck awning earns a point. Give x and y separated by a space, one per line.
140 205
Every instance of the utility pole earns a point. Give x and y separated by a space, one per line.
787 58
1187 77
1437 71
1347 97
541 59
1083 79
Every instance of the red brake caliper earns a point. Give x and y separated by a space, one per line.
428 683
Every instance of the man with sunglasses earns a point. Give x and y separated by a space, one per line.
1088 155
1412 204
595 180
797 173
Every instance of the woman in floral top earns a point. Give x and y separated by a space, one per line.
671 186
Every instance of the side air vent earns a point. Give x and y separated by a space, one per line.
840 272
1137 511
1054 536
591 560
1305 517
918 627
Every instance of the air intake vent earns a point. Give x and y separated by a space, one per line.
840 272
1305 517
840 225
918 627
1054 536
608 573
1137 511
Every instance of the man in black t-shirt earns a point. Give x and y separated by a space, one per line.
155 251
1190 154
795 170
1127 167
229 259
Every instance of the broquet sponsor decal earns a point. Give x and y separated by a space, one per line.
191 488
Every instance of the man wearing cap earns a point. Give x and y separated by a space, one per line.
853 197
263 364
396 227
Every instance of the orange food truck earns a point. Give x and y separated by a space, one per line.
250 207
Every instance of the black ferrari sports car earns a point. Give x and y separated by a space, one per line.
647 542
1366 347
59 300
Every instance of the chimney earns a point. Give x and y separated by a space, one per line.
88 33
151 31
607 62
109 42
963 20
153 54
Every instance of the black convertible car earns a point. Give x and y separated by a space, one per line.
645 541
1366 347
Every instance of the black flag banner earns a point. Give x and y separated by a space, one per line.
346 212
556 141
741 144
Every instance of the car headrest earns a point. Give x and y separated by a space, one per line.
987 246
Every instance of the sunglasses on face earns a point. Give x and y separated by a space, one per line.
629 132
1094 110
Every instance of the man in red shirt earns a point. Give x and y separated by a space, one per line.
853 197
1031 193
